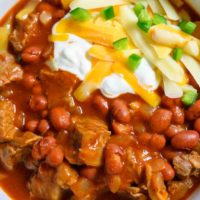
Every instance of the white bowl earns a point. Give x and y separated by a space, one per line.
5 5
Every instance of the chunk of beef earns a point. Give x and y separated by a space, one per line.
58 86
7 115
42 184
187 164
84 189
88 139
9 70
66 175
10 156
194 159
178 189
24 31
24 139
182 166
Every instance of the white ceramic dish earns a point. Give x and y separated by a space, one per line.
5 5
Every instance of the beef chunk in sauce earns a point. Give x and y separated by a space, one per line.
187 164
178 189
10 155
58 86
9 70
42 184
87 141
65 175
7 115
24 31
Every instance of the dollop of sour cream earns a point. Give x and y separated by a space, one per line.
72 56
114 85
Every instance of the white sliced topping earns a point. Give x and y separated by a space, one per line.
156 7
114 85
192 48
93 4
171 89
169 10
71 56
193 66
167 66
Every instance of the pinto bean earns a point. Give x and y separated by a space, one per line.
178 115
170 153
28 81
31 54
37 89
60 118
38 102
113 162
59 13
160 120
31 125
170 103
157 142
173 130
89 172
194 111
120 111
168 172
144 138
46 144
185 140
41 149
43 126
197 124
55 156
101 104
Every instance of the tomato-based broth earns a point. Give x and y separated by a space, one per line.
87 111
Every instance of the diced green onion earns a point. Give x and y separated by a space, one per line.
80 14
144 21
134 61
159 19
144 16
138 8
187 26
121 44
177 54
108 13
189 98
145 26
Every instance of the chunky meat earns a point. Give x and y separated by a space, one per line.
178 189
88 139
84 189
10 155
42 184
187 164
24 139
7 115
24 31
182 166
9 70
58 86
66 175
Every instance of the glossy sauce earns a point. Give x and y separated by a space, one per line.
14 182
